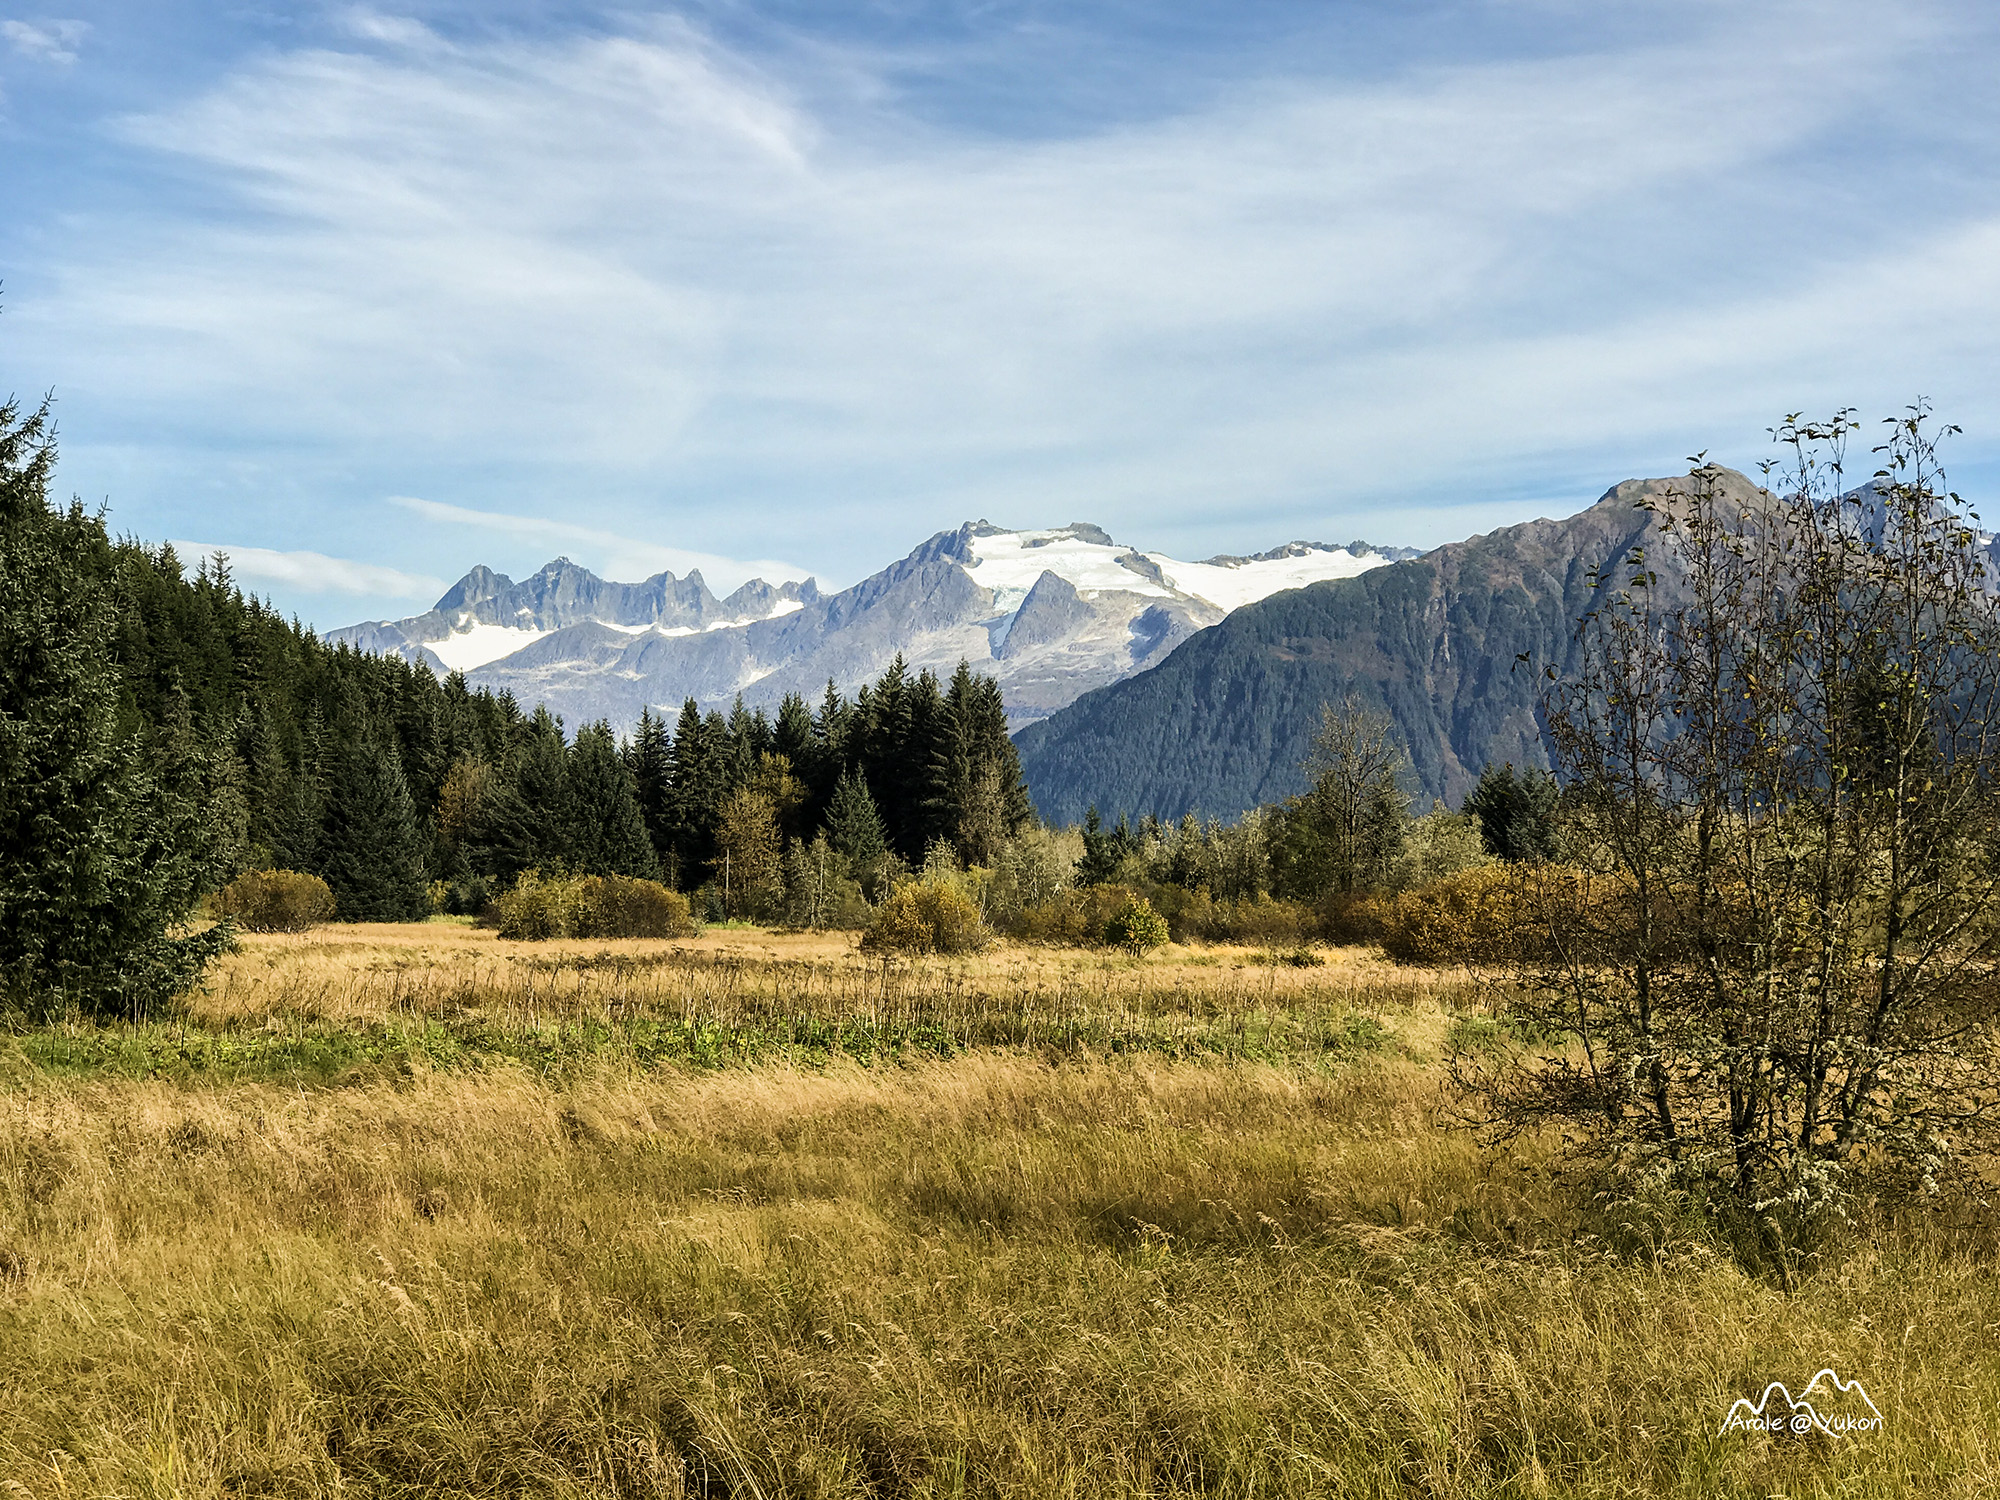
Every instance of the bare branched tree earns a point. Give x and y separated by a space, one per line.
1347 831
1772 966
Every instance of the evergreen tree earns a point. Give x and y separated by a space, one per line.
539 778
884 735
700 782
1104 849
89 887
748 737
1516 812
650 759
792 737
608 833
854 827
371 852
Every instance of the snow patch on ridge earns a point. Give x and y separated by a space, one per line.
476 645
1009 562
1230 586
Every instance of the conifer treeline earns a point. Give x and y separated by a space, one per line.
226 737
719 799
375 775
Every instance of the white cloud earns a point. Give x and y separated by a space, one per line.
45 41
314 572
653 265
611 555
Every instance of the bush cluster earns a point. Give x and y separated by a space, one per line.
1136 927
592 906
274 901
926 917
1083 915
1477 916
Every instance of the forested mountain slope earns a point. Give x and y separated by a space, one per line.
1222 723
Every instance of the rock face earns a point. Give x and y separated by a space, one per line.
1051 614
1223 722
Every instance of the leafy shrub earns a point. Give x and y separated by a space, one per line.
1197 917
1136 927
1076 916
1477 916
1350 917
925 918
619 906
1269 923
275 901
592 906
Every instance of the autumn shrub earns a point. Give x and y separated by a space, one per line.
1477 916
618 906
592 906
1197 917
1269 923
925 917
1075 917
1136 927
275 901
1353 917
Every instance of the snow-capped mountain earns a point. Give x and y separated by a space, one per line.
1051 614
486 615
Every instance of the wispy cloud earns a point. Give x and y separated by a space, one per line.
316 573
45 41
614 556
641 264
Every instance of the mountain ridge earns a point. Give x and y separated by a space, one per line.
1094 611
1224 721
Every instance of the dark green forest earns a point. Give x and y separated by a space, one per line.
161 730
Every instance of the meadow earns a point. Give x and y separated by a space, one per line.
408 1210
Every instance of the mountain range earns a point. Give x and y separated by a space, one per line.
1133 683
1051 614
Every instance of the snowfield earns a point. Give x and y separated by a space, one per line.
1009 564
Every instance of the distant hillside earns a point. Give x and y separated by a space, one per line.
1222 724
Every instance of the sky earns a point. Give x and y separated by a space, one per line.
369 296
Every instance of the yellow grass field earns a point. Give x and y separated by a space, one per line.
399 1211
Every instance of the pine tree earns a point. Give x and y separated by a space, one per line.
700 781
650 759
608 833
89 887
854 827
372 847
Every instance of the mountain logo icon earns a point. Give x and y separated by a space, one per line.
1828 1404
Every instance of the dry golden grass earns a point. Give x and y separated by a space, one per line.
371 972
1004 1272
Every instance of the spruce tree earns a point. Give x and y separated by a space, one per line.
792 737
90 882
539 799
700 782
371 850
854 827
650 759
1516 812
608 833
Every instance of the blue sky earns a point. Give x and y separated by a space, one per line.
372 295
